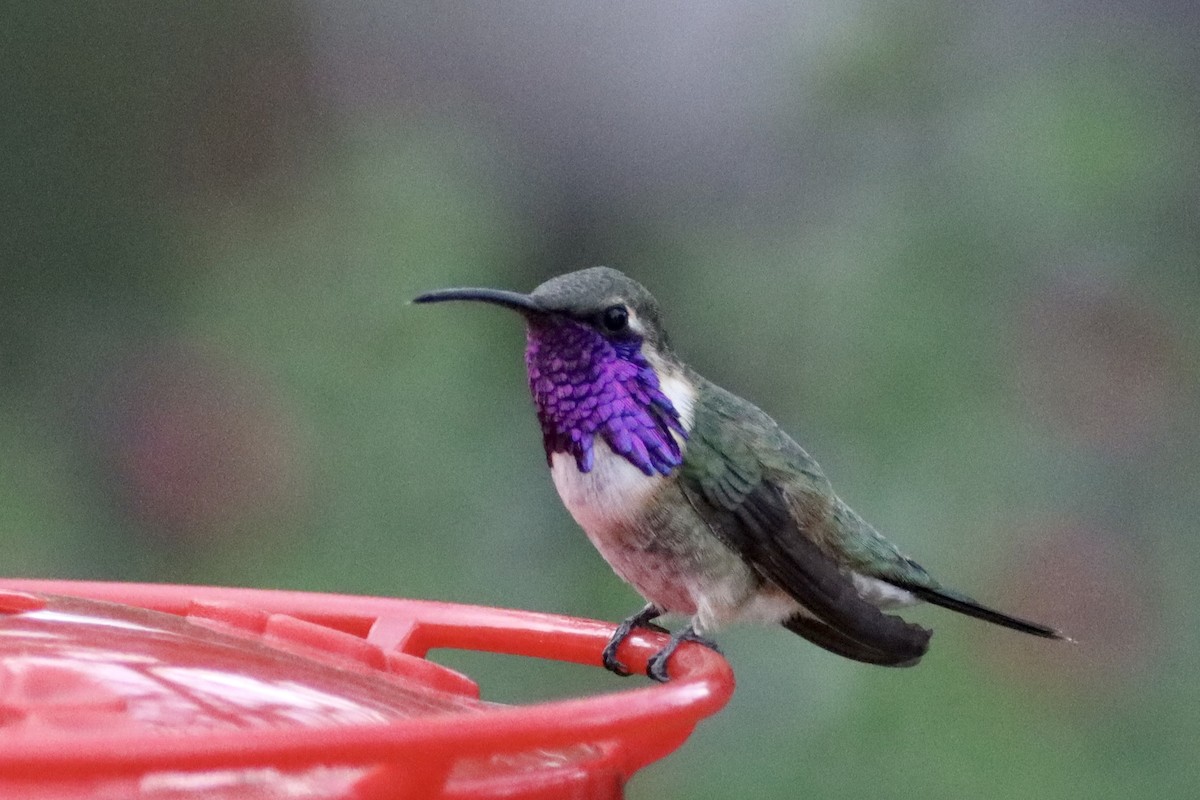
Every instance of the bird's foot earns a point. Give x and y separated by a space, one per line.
642 619
656 667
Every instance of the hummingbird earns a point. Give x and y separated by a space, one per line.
698 499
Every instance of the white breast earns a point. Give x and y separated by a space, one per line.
610 493
615 489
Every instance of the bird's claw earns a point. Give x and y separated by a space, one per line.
642 619
656 667
609 658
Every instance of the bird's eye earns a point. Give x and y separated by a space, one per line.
615 318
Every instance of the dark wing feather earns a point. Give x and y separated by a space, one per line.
747 479
843 645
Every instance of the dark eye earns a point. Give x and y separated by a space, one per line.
615 318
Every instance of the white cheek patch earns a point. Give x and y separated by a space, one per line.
682 395
635 324
675 386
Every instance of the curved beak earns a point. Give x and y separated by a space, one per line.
521 303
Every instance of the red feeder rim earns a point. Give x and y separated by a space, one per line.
190 691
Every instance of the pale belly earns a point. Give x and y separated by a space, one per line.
655 541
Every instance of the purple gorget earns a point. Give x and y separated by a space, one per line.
585 385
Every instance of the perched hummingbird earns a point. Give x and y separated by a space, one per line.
696 497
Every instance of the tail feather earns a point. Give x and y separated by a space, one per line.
905 652
965 605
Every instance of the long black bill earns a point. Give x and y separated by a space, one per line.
521 303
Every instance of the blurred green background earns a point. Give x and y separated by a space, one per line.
953 249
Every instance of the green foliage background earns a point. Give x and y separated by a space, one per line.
952 249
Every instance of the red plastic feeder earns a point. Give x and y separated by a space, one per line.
114 690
